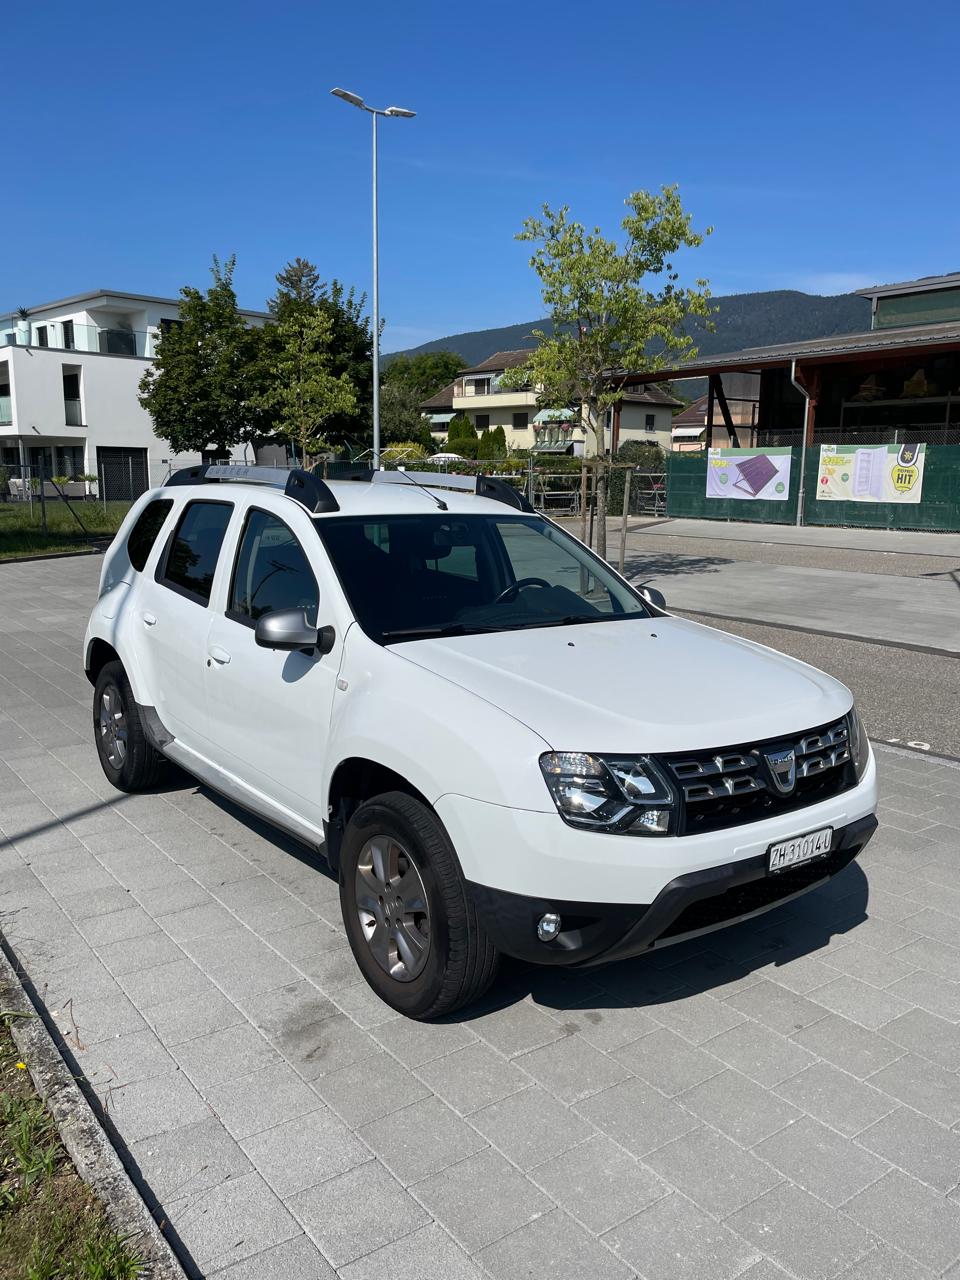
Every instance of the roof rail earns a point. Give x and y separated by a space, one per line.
307 489
483 486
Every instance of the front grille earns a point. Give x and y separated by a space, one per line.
728 786
755 895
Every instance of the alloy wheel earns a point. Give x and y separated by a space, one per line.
392 908
113 726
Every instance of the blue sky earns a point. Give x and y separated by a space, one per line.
818 139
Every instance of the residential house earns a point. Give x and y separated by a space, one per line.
69 377
642 414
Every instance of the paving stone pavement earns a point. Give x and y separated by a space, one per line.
778 1099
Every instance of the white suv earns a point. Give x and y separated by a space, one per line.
497 742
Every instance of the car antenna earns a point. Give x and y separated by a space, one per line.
410 480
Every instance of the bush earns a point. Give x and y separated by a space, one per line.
461 428
402 452
648 457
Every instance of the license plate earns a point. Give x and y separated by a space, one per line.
800 849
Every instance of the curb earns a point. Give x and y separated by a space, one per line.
53 555
94 1156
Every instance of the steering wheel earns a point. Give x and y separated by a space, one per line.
514 589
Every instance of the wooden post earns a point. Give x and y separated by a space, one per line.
583 500
626 511
716 381
592 503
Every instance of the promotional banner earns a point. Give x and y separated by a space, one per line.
871 473
746 474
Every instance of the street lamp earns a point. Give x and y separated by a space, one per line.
356 101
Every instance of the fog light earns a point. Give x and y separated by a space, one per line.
548 927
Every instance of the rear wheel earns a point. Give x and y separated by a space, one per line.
408 916
126 757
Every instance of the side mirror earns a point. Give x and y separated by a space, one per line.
654 597
288 629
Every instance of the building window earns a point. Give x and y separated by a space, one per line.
68 342
521 421
166 325
43 338
650 421
68 460
71 397
481 386
481 421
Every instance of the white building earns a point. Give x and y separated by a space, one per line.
69 378
643 414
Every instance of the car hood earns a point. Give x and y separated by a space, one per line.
637 685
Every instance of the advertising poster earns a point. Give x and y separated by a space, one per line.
871 473
745 474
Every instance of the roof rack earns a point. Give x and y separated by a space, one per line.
309 490
483 486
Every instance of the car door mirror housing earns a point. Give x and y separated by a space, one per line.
289 629
654 597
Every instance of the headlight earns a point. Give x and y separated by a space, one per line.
626 795
859 743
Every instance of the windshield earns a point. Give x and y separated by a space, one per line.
411 577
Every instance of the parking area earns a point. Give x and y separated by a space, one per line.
779 1099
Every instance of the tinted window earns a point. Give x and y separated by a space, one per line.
192 560
272 572
410 577
144 533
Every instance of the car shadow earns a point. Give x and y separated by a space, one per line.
705 964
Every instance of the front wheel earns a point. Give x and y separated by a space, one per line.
409 919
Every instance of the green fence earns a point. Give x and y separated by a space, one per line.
939 508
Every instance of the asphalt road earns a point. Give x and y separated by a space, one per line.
911 699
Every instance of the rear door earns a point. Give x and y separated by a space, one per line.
174 617
269 710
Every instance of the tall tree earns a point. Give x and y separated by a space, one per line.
298 284
613 307
408 381
303 392
201 388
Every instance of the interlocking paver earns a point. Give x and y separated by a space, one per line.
674 1240
765 1070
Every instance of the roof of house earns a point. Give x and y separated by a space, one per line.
76 298
949 281
440 401
651 394
694 415
500 360
842 346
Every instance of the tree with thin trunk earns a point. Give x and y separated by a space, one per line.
303 393
615 307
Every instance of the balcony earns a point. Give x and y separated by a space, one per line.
72 414
6 411
67 336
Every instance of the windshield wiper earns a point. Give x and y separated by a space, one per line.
450 629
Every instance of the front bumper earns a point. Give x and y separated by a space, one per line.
689 905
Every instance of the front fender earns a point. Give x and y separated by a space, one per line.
434 733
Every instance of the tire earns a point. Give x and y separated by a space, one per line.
128 760
428 962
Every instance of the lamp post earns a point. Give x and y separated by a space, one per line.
356 101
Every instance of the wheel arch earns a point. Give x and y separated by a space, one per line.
99 653
354 780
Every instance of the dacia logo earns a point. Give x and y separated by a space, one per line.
782 768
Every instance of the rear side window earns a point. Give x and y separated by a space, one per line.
272 572
144 533
193 554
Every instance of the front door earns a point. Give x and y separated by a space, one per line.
269 710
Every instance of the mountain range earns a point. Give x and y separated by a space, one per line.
742 320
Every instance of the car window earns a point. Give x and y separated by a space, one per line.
551 562
192 558
144 533
272 572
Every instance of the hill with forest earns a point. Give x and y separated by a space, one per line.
742 320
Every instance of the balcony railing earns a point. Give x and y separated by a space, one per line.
78 337
72 413
6 411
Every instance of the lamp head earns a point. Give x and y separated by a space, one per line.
400 111
353 98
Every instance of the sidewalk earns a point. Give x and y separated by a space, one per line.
881 606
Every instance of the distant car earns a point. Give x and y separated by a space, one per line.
498 743
447 457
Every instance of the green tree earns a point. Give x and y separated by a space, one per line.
303 392
201 390
613 307
408 381
461 428
349 348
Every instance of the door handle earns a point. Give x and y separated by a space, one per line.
149 620
219 655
